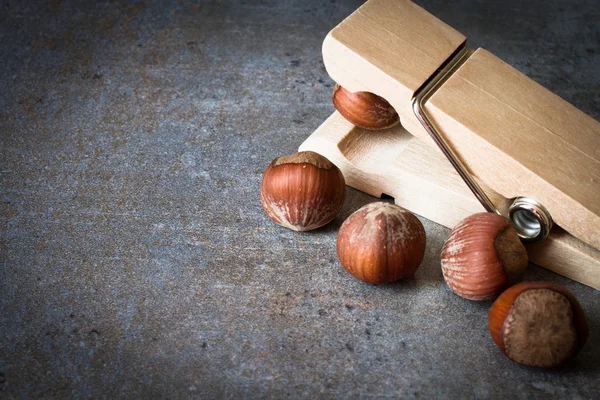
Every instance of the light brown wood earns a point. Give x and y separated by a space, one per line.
516 137
390 48
568 256
420 179
395 163
523 140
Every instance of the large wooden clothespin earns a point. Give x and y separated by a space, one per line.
515 137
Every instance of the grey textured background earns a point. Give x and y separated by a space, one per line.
136 260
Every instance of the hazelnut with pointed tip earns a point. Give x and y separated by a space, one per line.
483 256
540 324
363 109
302 191
381 243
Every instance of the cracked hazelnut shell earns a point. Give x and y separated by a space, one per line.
381 243
302 191
540 324
483 256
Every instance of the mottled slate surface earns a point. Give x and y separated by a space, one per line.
135 258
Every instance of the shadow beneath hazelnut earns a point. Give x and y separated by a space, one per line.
401 285
354 200
587 359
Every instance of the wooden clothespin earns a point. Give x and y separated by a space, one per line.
514 138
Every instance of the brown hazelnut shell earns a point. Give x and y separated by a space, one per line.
483 256
363 109
539 324
302 191
381 243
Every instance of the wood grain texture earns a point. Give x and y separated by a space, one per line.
568 256
523 140
420 179
516 137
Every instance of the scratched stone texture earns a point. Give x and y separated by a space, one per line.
136 260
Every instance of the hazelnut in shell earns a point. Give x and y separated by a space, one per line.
540 324
483 256
363 109
302 191
381 243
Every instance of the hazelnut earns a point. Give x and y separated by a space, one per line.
364 109
381 243
540 324
483 256
302 191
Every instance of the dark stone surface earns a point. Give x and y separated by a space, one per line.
136 260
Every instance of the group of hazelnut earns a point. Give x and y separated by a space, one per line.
534 323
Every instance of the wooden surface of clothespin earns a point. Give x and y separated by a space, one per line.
515 137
